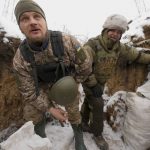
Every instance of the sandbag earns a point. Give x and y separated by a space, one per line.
129 115
136 130
144 90
115 111
26 139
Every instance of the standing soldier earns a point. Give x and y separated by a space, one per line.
45 67
105 50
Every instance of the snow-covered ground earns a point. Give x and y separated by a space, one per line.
64 139
135 128
61 138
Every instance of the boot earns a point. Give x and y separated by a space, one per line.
39 128
85 127
101 143
78 134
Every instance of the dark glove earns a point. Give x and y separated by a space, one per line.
97 90
148 67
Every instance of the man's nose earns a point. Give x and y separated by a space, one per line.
115 33
33 21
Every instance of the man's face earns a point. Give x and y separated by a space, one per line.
114 34
33 26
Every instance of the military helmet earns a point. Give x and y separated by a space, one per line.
116 21
64 91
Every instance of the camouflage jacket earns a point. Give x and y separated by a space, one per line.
23 71
105 61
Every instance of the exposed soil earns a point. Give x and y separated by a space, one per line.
126 77
10 98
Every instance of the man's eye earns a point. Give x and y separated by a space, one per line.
23 19
37 16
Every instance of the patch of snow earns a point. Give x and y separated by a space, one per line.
136 130
144 90
136 28
26 139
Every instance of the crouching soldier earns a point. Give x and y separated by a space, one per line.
45 67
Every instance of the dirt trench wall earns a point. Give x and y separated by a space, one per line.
129 77
10 98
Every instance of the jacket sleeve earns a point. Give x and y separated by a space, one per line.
133 55
78 58
26 84
84 61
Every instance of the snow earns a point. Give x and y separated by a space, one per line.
64 139
136 129
135 27
26 139
117 101
61 138
144 90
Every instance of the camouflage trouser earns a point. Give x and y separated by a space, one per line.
73 112
92 112
32 113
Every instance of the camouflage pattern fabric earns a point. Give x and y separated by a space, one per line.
73 111
105 61
105 56
31 113
26 82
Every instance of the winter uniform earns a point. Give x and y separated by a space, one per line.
37 70
36 106
105 56
24 71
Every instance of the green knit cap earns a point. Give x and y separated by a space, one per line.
25 6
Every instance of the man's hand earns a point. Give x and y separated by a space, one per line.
59 114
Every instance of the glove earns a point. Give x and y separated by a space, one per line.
148 67
97 90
